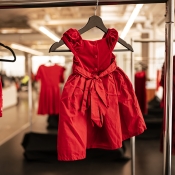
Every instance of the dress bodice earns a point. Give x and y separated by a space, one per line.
93 56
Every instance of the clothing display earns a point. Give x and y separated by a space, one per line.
173 108
98 106
140 90
158 79
49 98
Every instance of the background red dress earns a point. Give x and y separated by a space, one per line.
49 98
140 90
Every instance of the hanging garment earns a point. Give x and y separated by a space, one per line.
158 79
98 106
140 90
49 98
162 84
173 109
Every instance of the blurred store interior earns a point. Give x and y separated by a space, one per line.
30 32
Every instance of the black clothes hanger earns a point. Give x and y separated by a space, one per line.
49 63
7 47
94 21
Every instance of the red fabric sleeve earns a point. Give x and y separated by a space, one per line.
72 39
112 38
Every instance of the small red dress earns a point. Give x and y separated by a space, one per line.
98 106
49 98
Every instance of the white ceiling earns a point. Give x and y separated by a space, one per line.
16 25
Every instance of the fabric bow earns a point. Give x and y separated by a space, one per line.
95 96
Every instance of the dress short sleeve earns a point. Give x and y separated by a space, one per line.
112 38
72 39
38 74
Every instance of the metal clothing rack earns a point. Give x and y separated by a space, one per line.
168 63
69 3
30 99
167 138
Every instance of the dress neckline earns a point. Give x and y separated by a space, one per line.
52 65
103 38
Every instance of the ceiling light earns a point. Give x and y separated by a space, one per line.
15 30
49 33
26 49
131 20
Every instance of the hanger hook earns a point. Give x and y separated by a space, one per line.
96 8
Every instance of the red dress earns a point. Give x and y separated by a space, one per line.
140 90
49 98
98 106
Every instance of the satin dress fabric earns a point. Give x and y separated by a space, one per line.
98 108
49 97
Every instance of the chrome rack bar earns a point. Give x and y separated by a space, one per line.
69 3
30 110
132 140
168 87
150 41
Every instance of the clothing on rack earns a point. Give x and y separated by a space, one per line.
158 79
49 98
140 90
98 108
173 108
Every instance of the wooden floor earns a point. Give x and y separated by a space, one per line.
16 118
149 160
